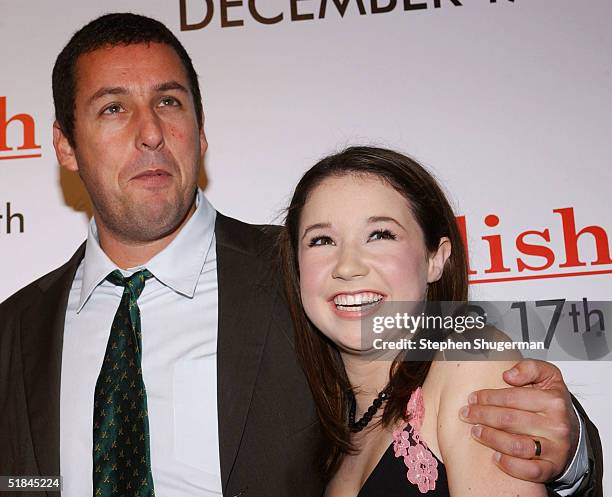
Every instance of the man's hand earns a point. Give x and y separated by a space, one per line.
509 421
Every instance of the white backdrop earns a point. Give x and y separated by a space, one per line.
507 102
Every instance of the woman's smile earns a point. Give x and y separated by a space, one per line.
356 304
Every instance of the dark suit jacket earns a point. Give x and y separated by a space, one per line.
268 430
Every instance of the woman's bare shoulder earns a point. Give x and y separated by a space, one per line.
469 465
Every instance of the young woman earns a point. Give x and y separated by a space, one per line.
364 227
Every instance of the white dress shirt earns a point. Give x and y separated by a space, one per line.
179 319
578 468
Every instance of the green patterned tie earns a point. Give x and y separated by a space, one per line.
121 457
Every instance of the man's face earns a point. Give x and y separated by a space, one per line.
138 146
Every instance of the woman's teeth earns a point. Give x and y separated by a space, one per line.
356 302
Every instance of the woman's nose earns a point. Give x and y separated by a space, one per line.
349 265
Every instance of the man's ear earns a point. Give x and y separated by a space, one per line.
438 259
203 142
63 149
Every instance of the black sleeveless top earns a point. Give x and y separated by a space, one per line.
408 467
389 479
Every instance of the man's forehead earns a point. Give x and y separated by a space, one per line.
141 65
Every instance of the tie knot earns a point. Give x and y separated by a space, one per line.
134 283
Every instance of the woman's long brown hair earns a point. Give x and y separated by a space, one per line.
319 357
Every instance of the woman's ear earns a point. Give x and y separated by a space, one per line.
63 150
438 259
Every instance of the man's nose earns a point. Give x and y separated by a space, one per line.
150 135
350 264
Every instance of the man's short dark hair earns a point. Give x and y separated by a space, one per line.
107 31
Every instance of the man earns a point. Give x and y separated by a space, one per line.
159 358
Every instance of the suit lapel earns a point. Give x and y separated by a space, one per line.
245 307
42 330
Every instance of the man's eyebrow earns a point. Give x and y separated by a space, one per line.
108 90
378 219
170 85
314 227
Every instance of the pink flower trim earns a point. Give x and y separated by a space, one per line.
422 465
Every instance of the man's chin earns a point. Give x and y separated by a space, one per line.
155 222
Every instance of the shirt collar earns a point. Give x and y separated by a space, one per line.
178 266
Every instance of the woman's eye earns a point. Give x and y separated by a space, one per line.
320 240
382 235
112 109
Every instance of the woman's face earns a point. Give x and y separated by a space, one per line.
360 246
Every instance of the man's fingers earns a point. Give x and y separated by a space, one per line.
521 446
526 399
503 418
532 371
536 470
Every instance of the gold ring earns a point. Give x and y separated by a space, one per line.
538 447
